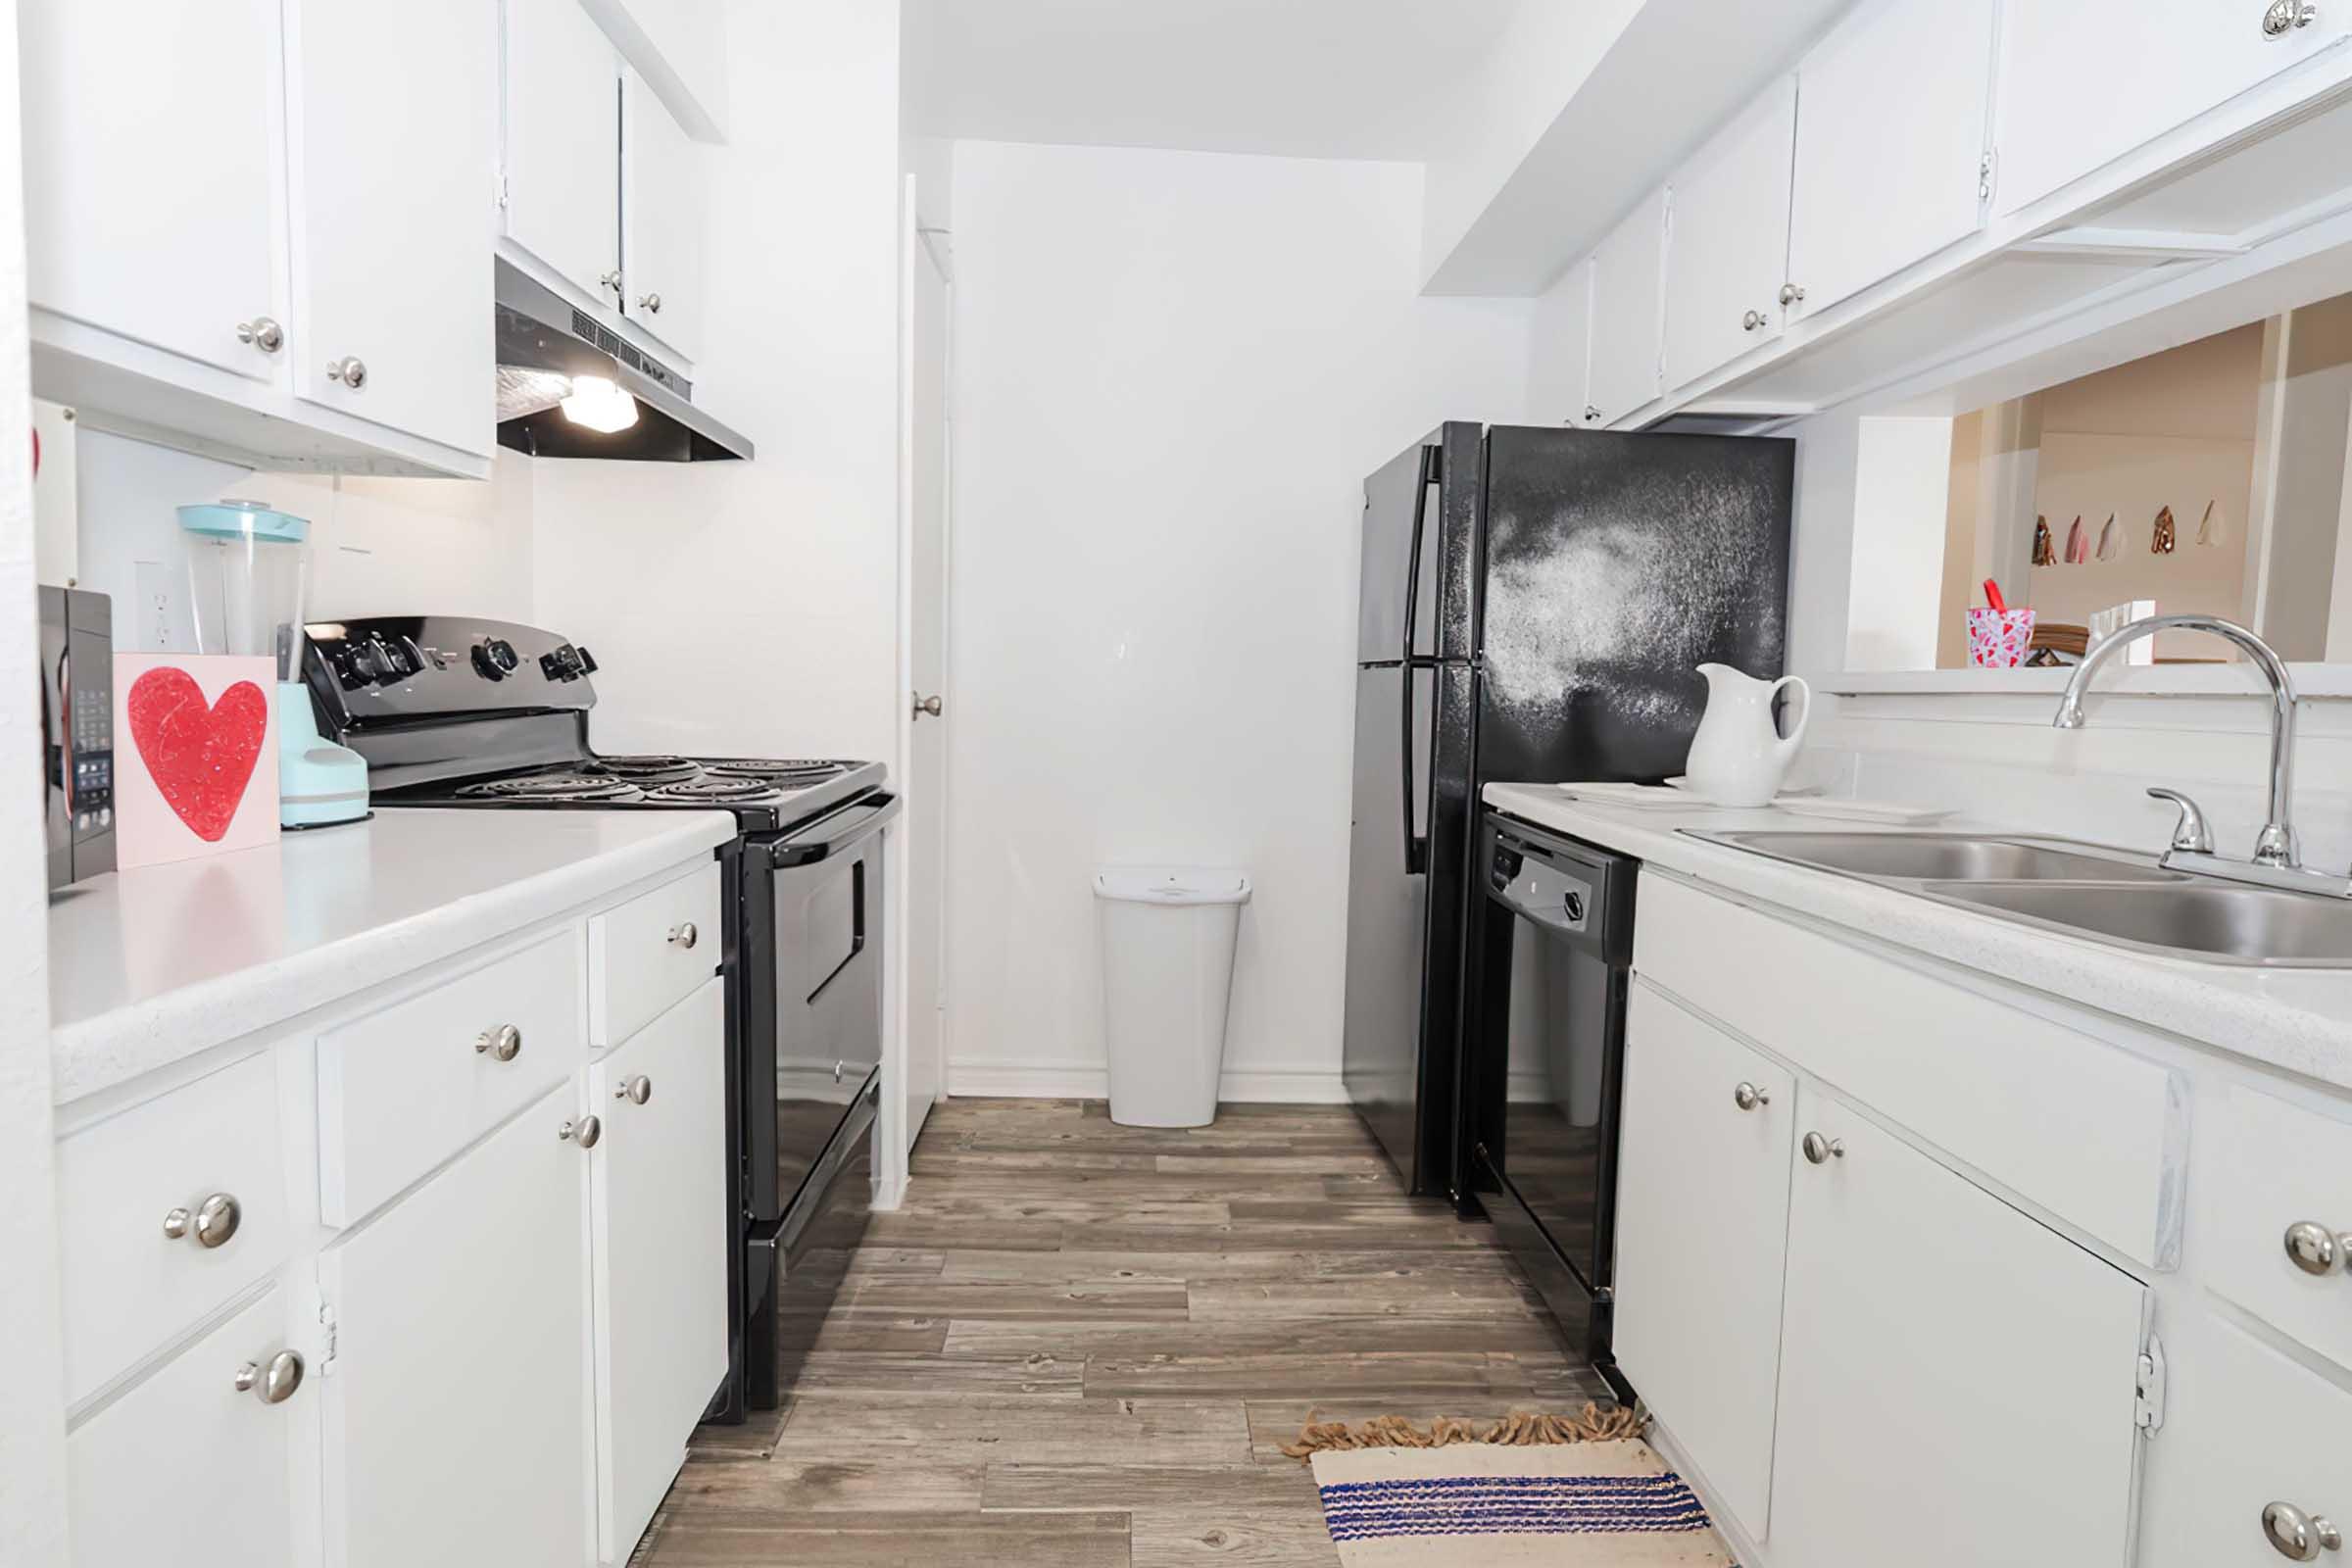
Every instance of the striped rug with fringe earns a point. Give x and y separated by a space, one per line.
1606 1504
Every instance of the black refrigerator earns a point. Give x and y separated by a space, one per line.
1534 605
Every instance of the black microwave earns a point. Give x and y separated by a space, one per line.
78 732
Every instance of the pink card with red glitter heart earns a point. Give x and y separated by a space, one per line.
195 755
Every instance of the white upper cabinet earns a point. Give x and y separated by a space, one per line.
1560 358
1891 140
1927 1326
2085 81
562 167
393 116
151 172
662 261
1726 246
1627 274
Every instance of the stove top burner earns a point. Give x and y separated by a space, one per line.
643 770
716 788
797 770
555 787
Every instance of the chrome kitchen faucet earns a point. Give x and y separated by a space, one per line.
2278 853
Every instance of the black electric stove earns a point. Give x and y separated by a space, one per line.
452 711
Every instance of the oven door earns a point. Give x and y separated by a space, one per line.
827 893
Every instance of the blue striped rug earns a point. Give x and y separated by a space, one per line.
1577 1505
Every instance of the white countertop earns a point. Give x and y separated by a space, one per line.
150 966
2297 1019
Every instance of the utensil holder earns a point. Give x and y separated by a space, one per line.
1998 639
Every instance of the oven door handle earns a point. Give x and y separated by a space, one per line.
829 837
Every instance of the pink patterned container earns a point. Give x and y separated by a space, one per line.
1998 639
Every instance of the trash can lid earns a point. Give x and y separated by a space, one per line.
1164 884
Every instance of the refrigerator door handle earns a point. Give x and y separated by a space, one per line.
1416 844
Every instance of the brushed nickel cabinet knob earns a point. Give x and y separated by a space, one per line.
584 1132
1791 294
611 280
2296 1536
651 304
262 333
636 1091
1752 320
273 1381
2316 1249
352 372
211 1222
2286 15
1820 1151
684 935
505 1043
1747 1096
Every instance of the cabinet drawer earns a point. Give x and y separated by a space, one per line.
2270 1165
403 1089
204 1160
651 953
2093 1133
2255 1429
189 1468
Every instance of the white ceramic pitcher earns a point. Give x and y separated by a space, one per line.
1739 756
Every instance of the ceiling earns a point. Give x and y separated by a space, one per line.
1306 78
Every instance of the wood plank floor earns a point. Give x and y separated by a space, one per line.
1082 1345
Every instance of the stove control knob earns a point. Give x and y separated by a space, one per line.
502 654
587 660
486 663
368 662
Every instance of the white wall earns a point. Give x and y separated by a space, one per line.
1902 494
33 1432
1172 372
458 547
752 607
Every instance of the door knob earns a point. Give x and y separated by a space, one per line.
651 304
2316 1249
351 371
2297 1536
272 1383
504 1041
2286 15
684 935
927 706
636 1091
584 1132
1747 1096
1791 294
1820 1151
262 333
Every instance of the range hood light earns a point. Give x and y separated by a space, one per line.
599 405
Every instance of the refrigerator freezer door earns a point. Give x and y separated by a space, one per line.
1615 565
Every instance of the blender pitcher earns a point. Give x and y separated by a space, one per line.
248 565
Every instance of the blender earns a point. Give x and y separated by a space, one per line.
247 568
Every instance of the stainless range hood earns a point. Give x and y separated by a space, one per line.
543 342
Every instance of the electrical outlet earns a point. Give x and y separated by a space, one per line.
160 619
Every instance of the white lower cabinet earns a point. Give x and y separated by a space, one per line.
194 1465
2263 1456
1957 1380
1705 1147
457 1401
658 1200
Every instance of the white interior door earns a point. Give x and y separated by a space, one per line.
931 426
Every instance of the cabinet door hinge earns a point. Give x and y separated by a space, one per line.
2147 1388
1984 177
326 1328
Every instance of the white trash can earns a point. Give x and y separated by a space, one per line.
1167 972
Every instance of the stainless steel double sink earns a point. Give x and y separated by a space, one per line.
2083 890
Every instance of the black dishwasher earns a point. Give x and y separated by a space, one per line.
1550 959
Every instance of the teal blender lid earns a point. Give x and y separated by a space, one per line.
244 520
